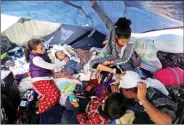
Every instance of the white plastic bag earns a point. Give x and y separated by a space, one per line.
25 84
169 43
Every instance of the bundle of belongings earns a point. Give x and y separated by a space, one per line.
91 96
66 85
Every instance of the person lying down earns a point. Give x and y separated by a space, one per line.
71 61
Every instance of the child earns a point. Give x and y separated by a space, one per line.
41 71
72 62
97 109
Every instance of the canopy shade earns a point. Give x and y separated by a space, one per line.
145 15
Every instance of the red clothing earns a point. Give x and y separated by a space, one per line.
92 115
52 94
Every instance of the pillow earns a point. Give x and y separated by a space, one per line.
169 43
22 31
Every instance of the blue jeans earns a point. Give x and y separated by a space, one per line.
69 117
73 66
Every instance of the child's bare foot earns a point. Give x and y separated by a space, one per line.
37 104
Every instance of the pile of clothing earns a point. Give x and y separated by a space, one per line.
159 70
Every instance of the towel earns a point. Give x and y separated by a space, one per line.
127 118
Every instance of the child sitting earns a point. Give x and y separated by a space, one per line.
71 61
40 68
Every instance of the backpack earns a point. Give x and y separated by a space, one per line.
170 76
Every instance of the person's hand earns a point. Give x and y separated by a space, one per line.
75 104
118 78
92 1
66 59
115 89
38 103
41 97
99 76
116 83
106 63
141 91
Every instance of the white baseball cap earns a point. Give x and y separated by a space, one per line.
129 80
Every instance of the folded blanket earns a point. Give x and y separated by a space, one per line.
151 66
146 50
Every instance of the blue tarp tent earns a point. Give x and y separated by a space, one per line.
21 20
145 15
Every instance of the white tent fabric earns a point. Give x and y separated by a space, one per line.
158 33
165 40
7 21
21 32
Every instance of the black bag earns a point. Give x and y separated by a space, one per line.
177 94
10 98
8 110
9 87
171 59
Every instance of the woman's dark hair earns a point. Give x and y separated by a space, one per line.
123 29
115 106
31 45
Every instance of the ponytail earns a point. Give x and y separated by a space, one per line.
26 53
123 23
123 29
31 46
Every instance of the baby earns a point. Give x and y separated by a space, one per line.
72 66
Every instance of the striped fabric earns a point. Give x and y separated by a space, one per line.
151 66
